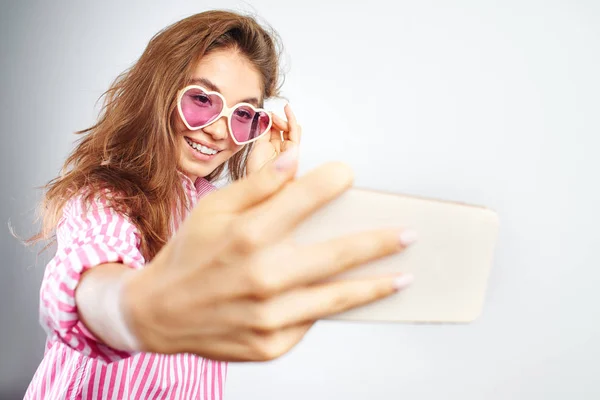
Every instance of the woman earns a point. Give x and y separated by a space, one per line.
139 303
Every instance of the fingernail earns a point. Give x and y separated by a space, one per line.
403 281
408 237
287 159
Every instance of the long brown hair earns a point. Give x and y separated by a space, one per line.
131 151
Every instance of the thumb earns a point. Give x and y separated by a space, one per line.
254 188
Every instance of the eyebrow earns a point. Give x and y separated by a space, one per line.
211 86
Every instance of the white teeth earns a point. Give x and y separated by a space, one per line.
206 150
202 149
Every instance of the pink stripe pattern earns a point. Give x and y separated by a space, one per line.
76 365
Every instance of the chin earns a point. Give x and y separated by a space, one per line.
193 170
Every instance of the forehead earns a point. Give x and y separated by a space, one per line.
232 73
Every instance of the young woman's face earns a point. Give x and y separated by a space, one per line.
232 75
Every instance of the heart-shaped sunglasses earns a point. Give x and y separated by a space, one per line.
199 108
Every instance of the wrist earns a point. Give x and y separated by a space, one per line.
99 299
139 309
121 315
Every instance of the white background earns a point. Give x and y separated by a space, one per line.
493 103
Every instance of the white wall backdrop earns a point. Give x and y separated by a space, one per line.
495 103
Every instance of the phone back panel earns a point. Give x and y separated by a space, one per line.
451 260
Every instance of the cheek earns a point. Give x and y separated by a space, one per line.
178 124
234 147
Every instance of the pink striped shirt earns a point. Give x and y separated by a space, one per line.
75 364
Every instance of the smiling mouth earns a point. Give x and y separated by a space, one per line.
201 148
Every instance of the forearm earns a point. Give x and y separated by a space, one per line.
98 298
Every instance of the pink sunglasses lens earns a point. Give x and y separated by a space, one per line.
247 124
200 108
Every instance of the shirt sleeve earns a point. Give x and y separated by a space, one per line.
86 237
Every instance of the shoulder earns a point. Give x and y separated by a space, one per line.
95 214
86 204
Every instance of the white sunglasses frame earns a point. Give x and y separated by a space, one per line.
226 111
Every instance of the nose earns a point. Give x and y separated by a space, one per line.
218 129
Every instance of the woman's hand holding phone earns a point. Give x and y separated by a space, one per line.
231 285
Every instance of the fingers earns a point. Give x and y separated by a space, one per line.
254 345
279 130
279 123
324 260
253 189
277 216
295 131
291 129
268 345
276 136
266 275
320 301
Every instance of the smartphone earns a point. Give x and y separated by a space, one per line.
451 260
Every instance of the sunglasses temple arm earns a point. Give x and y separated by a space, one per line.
254 125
